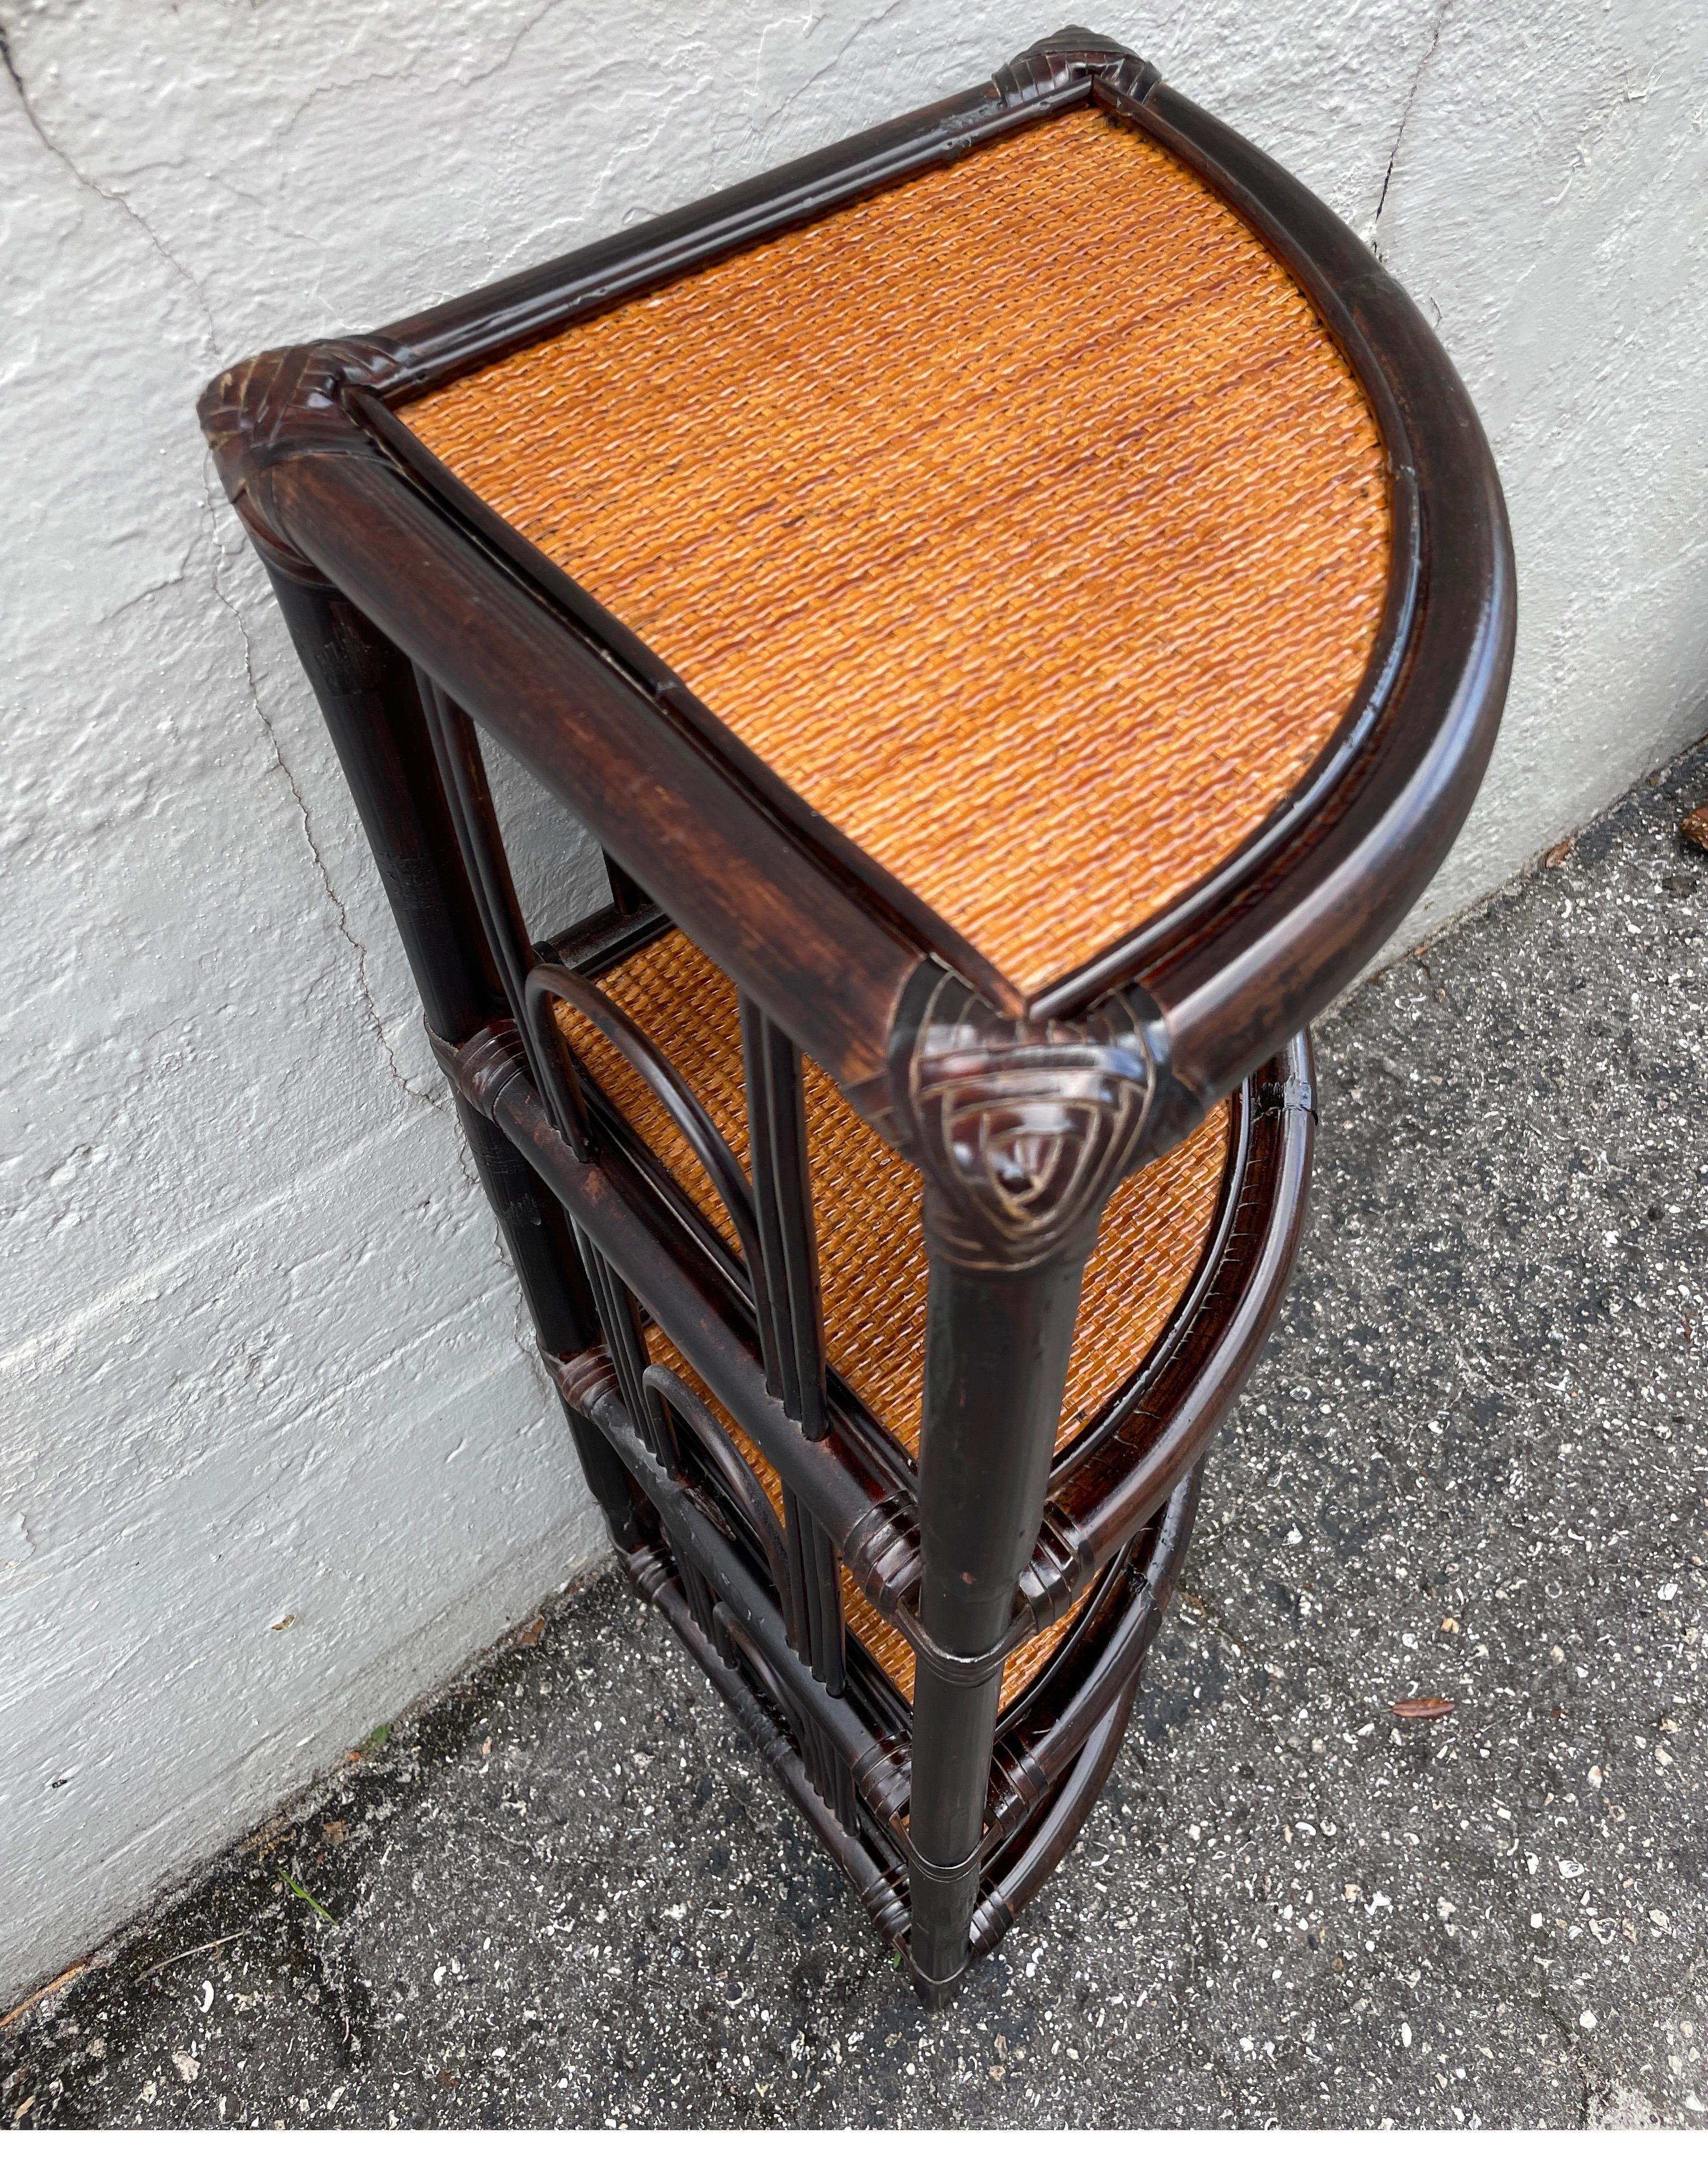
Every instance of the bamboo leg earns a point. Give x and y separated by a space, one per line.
997 1345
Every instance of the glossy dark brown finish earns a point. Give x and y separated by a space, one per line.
418 612
792 1331
1154 1453
371 702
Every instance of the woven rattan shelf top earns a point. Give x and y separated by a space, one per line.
1023 518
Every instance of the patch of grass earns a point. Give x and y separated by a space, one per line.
302 1893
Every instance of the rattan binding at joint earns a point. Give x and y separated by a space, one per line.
582 1379
482 1066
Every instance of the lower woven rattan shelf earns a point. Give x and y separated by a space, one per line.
867 1207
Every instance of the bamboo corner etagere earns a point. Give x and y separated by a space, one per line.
1023 602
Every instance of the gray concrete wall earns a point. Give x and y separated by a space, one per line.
274 1455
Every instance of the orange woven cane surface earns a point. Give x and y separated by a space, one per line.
1022 518
866 1200
888 1646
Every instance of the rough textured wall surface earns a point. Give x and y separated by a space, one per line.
276 1457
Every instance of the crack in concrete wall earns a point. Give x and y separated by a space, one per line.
1436 26
346 932
117 198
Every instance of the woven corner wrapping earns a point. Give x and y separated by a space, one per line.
884 1643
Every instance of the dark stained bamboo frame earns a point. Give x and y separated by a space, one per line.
417 611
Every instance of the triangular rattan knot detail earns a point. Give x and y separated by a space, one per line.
1024 1126
1052 62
